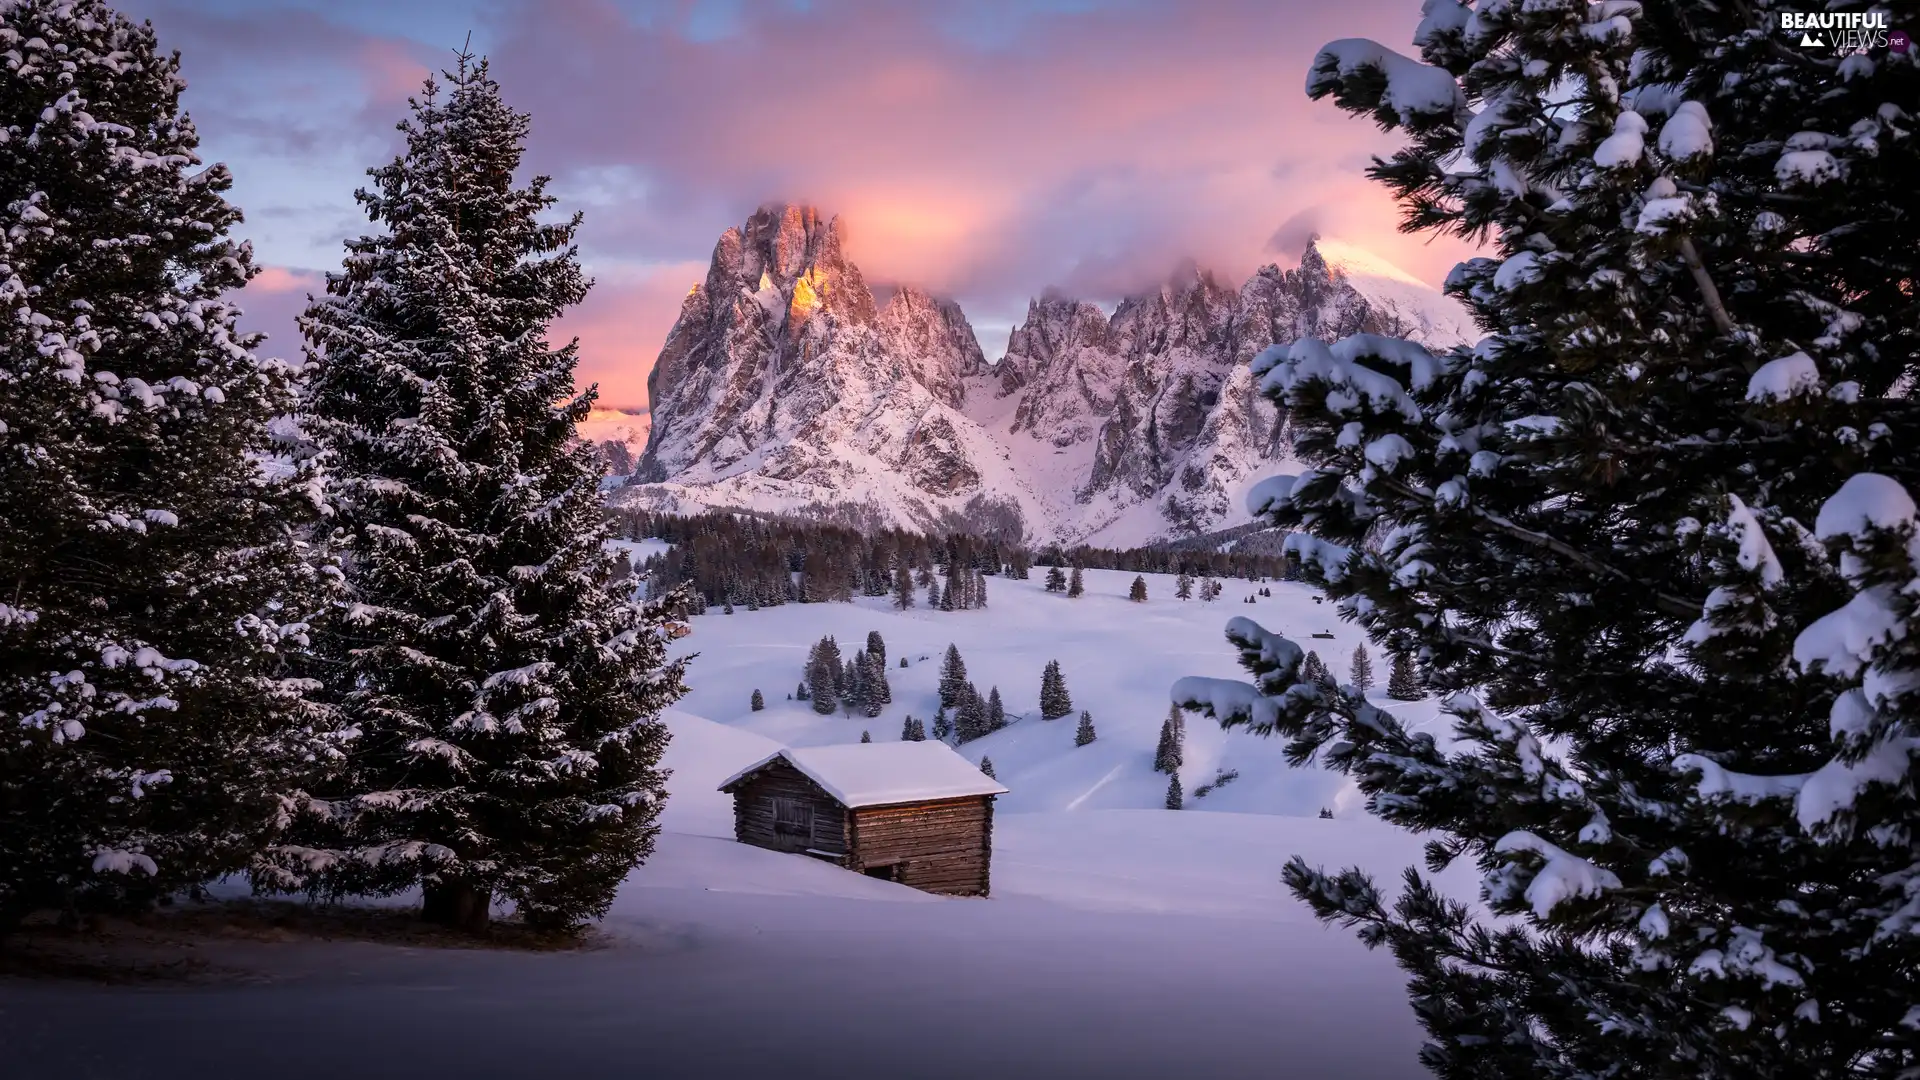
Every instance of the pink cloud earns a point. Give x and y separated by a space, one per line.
280 279
621 326
271 302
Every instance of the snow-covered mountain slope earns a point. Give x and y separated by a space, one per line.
1411 307
785 388
1119 659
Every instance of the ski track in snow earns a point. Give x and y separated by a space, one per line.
1088 794
1122 940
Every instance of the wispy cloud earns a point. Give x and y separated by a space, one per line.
987 151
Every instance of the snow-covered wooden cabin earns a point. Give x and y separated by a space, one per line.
912 812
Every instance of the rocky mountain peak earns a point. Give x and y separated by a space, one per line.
785 386
933 341
1313 265
791 258
1056 325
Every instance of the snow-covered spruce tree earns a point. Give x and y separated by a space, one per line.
823 677
1055 702
1075 586
1183 586
153 581
1137 592
1056 579
880 691
1314 670
986 766
996 710
877 648
874 694
902 588
758 702
866 736
1176 799
1170 753
1084 734
970 719
507 695
953 677
914 730
1403 682
942 726
1598 532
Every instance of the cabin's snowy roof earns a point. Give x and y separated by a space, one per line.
878 774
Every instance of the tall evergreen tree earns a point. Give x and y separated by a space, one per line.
1055 702
1075 586
1209 590
1683 757
1170 754
1314 670
1056 579
954 597
979 590
902 587
856 692
953 678
874 693
1084 734
506 691
1176 799
1183 586
1360 668
996 710
942 726
1403 682
154 586
914 730
934 598
823 678
877 648
1137 592
970 717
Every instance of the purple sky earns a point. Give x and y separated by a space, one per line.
986 150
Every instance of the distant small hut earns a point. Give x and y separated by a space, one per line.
912 812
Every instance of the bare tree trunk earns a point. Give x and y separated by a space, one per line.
457 905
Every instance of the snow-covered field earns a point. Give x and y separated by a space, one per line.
1121 940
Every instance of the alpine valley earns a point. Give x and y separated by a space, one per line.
785 387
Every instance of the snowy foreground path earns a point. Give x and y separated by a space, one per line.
1120 941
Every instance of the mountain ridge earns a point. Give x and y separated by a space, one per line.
784 387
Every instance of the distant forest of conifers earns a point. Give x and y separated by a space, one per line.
754 561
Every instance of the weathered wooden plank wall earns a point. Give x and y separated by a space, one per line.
942 847
753 812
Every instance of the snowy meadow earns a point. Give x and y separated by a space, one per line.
1122 939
